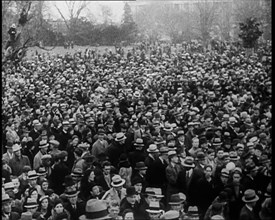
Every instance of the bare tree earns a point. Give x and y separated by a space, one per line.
75 8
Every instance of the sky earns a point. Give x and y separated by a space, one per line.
94 8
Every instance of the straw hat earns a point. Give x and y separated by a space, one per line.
32 175
31 203
154 207
120 136
117 181
140 166
95 210
153 148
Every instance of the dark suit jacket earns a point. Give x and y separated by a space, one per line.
100 180
136 156
156 177
246 214
124 204
76 213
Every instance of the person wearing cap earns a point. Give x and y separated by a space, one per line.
64 135
250 198
37 161
140 171
101 145
153 154
117 192
189 135
129 202
177 203
95 210
7 212
154 211
18 161
9 154
172 171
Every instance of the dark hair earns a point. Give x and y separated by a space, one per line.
78 152
126 211
106 163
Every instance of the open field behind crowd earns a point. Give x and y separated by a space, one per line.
61 50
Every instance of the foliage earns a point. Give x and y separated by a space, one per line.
250 32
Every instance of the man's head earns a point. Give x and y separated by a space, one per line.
106 167
113 209
131 195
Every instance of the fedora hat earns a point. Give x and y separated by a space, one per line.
164 150
225 172
192 211
16 147
26 216
41 171
43 144
188 162
9 144
171 215
167 127
154 207
101 132
137 180
71 193
200 155
233 156
77 172
158 192
153 148
139 142
175 199
217 141
32 175
5 197
54 142
9 186
140 166
120 136
250 196
95 210
117 181
172 153
31 203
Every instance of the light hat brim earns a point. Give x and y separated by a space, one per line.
83 217
118 185
253 200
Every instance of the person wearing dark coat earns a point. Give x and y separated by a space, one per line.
64 136
138 154
153 153
117 148
247 212
248 180
158 177
7 212
197 174
75 206
60 170
129 201
206 192
104 178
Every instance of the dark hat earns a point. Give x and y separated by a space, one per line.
123 161
259 147
9 144
61 216
250 196
200 155
62 155
26 169
264 159
176 199
68 181
130 191
136 180
140 166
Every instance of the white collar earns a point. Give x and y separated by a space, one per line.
249 208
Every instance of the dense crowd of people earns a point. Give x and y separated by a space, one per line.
171 134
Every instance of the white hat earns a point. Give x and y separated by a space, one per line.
117 181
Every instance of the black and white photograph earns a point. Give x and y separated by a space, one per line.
136 110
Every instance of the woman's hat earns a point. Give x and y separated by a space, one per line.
154 207
32 175
153 148
188 162
176 199
250 196
95 210
120 137
171 215
117 181
31 203
43 197
140 166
